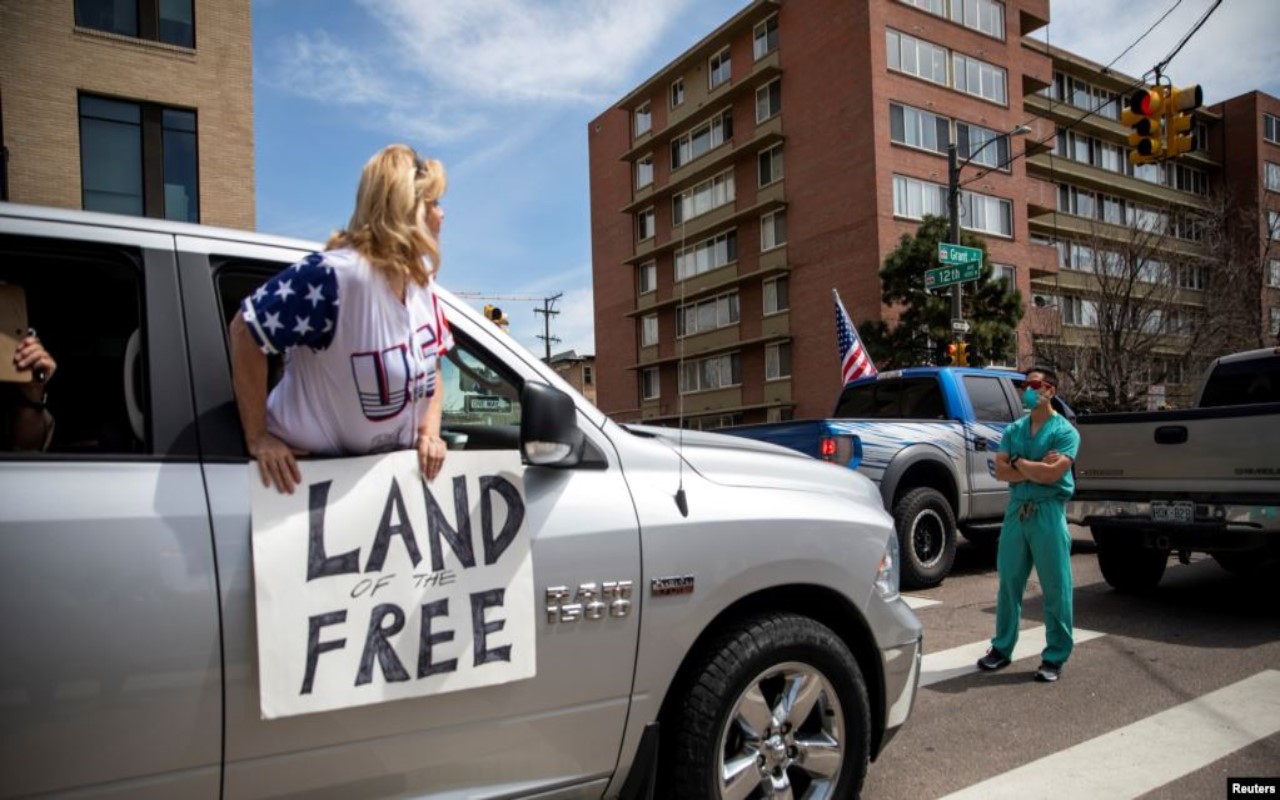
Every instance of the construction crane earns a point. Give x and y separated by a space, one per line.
497 317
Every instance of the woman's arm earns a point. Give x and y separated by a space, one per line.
276 461
431 448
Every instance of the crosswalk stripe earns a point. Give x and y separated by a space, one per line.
1152 752
963 660
915 603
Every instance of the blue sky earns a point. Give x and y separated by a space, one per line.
501 91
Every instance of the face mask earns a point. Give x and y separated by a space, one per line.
1030 398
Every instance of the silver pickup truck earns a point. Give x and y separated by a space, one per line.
756 643
1205 479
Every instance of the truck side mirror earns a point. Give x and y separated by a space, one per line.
549 433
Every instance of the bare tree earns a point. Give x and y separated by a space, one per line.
1233 317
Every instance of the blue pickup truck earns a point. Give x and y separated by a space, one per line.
928 436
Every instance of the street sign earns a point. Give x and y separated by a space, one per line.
960 325
955 254
488 403
945 276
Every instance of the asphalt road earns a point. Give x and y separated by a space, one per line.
1179 690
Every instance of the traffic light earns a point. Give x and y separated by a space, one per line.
1177 118
495 315
958 354
1143 116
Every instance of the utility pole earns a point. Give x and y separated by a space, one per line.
548 311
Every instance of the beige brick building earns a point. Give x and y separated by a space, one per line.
133 107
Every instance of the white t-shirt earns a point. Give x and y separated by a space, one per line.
360 366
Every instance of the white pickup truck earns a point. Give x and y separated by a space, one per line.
1206 479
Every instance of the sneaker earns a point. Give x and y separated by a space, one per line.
1048 672
992 661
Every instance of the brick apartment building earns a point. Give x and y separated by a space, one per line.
139 107
786 153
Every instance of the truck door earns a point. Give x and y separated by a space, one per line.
558 733
111 681
991 413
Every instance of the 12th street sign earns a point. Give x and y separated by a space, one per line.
945 276
958 255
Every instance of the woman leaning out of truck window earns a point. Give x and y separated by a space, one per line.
362 330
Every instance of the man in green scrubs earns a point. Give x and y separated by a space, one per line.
1035 458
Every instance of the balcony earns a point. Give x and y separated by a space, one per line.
1044 321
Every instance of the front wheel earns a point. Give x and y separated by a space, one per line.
926 530
776 708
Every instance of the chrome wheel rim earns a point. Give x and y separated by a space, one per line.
927 537
784 737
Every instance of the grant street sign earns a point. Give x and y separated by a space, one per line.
957 255
945 276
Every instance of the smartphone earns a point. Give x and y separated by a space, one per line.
13 329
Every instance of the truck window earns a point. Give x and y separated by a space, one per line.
905 398
1256 380
990 403
481 399
85 304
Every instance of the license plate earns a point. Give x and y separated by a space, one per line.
1177 511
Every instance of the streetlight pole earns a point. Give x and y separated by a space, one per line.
953 209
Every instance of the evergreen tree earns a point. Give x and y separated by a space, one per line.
923 329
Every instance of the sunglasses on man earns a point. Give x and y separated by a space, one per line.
1035 384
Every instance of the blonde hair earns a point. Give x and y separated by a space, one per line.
386 226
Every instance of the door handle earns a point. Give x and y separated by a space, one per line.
1171 434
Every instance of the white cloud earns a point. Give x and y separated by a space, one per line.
1235 52
567 51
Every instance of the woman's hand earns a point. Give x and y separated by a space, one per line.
30 354
431 451
276 462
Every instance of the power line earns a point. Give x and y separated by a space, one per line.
1136 84
1156 24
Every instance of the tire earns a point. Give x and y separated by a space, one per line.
926 529
1129 567
727 729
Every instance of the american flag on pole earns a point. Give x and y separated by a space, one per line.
854 361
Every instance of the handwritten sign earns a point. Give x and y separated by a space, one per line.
372 585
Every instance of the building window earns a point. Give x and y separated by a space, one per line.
971 139
773 230
168 21
1006 273
719 68
981 79
1271 128
771 165
644 171
588 375
913 199
981 15
917 128
937 7
650 388
917 57
769 100
1273 177
709 254
704 197
718 372
646 277
644 119
645 225
777 361
1273 224
776 295
1275 321
708 315
1189 278
138 158
649 330
677 92
702 139
766 37
1078 311
1273 273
